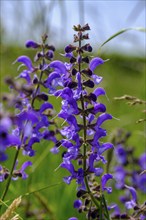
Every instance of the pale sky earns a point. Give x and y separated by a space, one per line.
105 18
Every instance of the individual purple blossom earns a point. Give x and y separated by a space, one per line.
7 139
104 180
98 171
23 167
95 62
142 217
131 203
120 176
26 61
121 154
32 44
77 204
58 66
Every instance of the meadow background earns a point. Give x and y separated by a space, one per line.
123 74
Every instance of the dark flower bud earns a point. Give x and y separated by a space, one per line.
50 47
81 28
136 207
86 27
49 55
81 192
92 97
72 60
69 48
94 214
87 47
85 59
87 201
76 38
6 175
35 80
58 143
43 96
124 216
85 37
89 83
38 56
77 28
74 71
63 153
80 162
32 44
72 85
116 217
88 72
44 37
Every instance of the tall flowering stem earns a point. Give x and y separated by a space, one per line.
82 129
30 124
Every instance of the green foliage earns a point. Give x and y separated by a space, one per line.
122 75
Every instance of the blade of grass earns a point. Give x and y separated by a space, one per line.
142 29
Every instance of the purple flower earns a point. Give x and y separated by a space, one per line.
121 154
32 44
103 117
70 106
68 166
104 180
95 62
130 204
98 171
77 204
98 107
119 176
45 106
53 81
142 216
24 166
99 91
140 182
97 79
65 93
25 74
58 66
26 61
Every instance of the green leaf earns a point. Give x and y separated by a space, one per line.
121 32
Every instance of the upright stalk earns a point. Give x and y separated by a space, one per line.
85 141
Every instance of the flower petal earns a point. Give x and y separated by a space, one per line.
95 62
26 61
59 66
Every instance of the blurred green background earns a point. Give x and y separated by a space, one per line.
123 74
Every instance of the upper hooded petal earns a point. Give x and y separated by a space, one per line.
95 62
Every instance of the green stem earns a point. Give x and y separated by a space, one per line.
10 176
105 206
85 146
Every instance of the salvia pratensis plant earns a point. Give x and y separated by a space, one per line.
77 129
30 121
